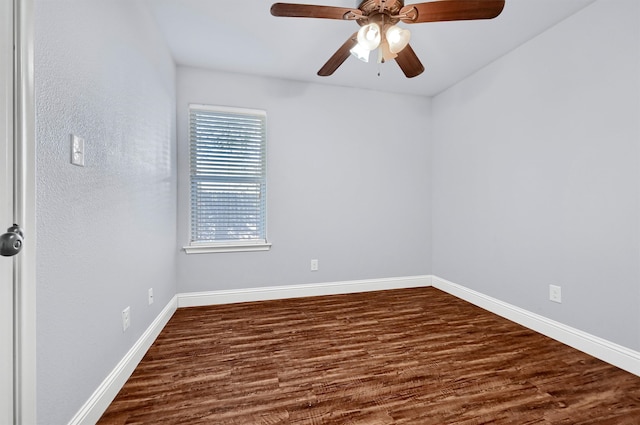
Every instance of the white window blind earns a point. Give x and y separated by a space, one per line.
228 175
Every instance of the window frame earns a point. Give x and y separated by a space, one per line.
203 247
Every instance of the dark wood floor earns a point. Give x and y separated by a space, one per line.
411 356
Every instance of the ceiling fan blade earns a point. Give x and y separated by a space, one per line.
310 11
409 62
451 10
339 56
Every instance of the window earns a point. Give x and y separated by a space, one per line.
228 179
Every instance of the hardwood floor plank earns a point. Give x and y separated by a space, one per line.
409 356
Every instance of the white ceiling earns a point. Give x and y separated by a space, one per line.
241 36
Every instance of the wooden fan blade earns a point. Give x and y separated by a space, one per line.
409 62
451 10
339 56
310 11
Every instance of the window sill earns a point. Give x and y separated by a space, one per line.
226 247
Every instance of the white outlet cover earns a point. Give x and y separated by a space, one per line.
555 293
150 296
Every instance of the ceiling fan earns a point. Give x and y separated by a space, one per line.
378 29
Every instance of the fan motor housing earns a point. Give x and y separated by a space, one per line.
391 7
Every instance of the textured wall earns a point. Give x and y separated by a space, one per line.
348 183
534 178
537 174
106 232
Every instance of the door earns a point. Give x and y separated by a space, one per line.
17 205
6 213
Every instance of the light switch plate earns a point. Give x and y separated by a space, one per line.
126 318
77 150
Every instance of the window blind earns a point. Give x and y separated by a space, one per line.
228 175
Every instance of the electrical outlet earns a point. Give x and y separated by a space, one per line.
555 293
126 318
150 296
314 265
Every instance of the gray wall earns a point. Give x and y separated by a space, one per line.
524 174
536 176
106 232
348 183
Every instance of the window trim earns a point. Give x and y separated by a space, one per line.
208 247
196 247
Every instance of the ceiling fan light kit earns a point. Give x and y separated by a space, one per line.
379 17
360 52
369 36
398 38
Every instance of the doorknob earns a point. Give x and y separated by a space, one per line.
11 242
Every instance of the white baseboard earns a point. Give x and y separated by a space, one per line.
612 353
107 391
194 299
